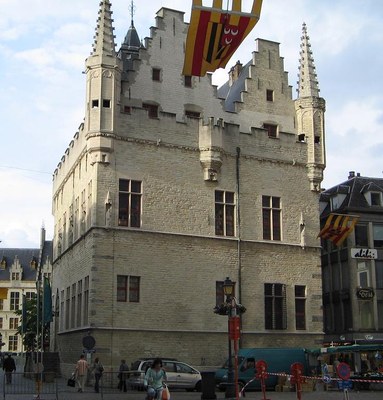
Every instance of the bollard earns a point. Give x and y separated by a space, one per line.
297 378
262 375
208 385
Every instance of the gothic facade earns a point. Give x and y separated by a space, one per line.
170 185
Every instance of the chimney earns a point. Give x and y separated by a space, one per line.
351 174
234 72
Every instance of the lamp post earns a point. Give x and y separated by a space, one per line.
233 310
228 290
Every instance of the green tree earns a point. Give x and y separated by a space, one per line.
28 326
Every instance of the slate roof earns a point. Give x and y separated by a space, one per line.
354 188
232 94
25 256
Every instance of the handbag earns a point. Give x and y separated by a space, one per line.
165 393
71 381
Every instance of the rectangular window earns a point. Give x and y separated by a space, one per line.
378 235
152 110
128 287
379 274
1 322
130 194
79 303
269 95
13 323
67 308
94 103
300 307
361 235
219 294
106 103
224 213
376 199
15 301
1 304
122 288
271 215
192 114
15 276
275 306
62 311
13 342
272 130
134 289
86 300
30 295
188 81
73 307
380 314
156 74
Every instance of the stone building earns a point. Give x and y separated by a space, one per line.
353 273
19 270
170 185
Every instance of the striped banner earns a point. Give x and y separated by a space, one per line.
215 34
338 227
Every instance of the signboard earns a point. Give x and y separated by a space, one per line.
365 293
365 254
343 370
345 385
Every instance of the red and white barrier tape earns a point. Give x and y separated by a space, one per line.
319 378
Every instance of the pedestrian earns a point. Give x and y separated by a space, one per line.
98 369
81 371
122 375
154 380
9 366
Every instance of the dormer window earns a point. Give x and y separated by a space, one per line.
15 276
375 199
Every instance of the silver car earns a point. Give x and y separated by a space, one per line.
179 375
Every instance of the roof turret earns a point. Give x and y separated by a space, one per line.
308 81
104 37
132 41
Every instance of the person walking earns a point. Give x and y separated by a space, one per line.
122 376
154 380
9 366
81 371
98 369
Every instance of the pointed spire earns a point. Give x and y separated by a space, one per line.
308 81
132 41
104 38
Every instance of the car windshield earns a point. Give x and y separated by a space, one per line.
240 359
135 365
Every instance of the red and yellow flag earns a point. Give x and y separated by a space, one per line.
338 227
215 34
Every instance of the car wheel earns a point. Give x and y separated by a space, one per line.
198 386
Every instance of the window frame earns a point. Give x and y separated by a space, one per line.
272 130
300 307
128 288
133 203
14 301
271 218
275 307
269 95
224 213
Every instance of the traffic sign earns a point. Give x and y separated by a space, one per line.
326 378
343 371
345 385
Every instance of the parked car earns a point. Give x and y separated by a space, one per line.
179 374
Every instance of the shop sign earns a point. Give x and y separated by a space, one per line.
369 254
365 293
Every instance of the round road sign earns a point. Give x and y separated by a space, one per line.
343 371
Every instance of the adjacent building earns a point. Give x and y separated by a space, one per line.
353 273
19 271
170 185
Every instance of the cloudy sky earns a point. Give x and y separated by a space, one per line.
43 45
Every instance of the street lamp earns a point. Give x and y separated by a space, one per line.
233 310
228 290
